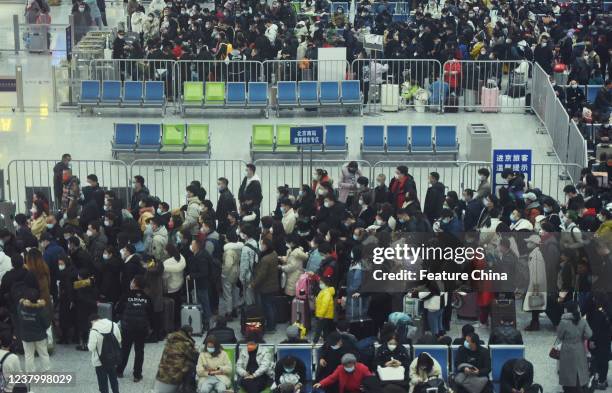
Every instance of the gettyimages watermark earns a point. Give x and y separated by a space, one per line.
493 262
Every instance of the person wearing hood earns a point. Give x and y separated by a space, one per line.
571 333
535 298
604 232
33 320
423 368
250 188
178 360
349 375
324 309
516 376
533 208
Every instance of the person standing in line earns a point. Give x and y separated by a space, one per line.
136 312
101 327
33 321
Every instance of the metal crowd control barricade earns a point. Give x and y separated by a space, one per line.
24 177
306 70
218 71
550 178
414 79
450 173
465 79
136 70
278 172
168 178
577 156
542 92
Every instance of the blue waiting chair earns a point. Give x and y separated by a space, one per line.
124 139
258 96
149 138
400 18
397 139
298 351
352 95
329 93
236 94
421 140
90 94
308 93
453 349
111 93
155 95
438 352
500 354
286 95
446 140
591 93
335 139
339 4
132 93
373 140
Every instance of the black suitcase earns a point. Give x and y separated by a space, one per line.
250 314
468 307
503 309
283 308
516 91
168 315
451 104
363 328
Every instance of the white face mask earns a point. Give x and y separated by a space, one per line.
123 253
379 222
391 347
61 267
106 256
243 236
33 210
322 285
326 204
210 349
89 233
191 249
107 223
361 203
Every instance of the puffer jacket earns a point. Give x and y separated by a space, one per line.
178 359
324 304
158 244
221 362
33 320
265 278
174 274
506 335
194 206
348 183
604 231
417 376
264 362
231 262
294 269
248 260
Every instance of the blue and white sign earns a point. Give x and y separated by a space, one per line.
517 160
312 135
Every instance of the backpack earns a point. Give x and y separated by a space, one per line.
433 383
535 388
302 287
110 357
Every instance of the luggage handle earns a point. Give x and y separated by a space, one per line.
195 294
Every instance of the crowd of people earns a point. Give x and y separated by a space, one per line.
68 263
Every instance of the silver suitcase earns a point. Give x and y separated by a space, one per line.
470 98
191 313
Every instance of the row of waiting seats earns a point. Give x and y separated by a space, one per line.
161 138
270 139
443 354
416 139
129 94
590 91
305 94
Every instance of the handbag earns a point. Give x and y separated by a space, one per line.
391 373
535 300
555 351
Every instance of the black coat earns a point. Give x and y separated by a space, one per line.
300 370
136 310
225 205
13 279
67 277
434 200
510 382
129 270
25 238
331 215
109 281
198 267
479 359
251 192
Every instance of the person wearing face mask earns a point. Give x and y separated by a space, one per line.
214 368
422 369
23 234
136 312
150 27
365 212
331 212
571 235
392 354
348 376
356 303
518 223
68 274
543 54
194 207
38 219
250 188
604 231
159 239
289 375
473 362
575 98
109 277
132 266
254 368
551 210
449 223
399 186
225 204
381 191
320 179
516 376
289 217
348 182
324 309
535 298
265 283
249 257
96 241
292 264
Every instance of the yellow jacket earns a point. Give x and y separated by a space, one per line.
324 305
605 231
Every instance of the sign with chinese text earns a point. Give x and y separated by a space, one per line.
312 135
517 160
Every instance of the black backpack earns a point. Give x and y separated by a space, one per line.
433 383
535 388
110 357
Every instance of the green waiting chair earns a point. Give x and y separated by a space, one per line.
262 139
283 139
193 95
214 94
198 139
173 138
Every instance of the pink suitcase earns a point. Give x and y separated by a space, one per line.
490 97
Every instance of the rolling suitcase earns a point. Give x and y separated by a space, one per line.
191 313
411 306
283 308
105 310
490 96
300 312
363 326
468 306
389 97
250 316
470 98
168 315
451 104
503 309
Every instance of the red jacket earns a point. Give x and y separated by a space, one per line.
452 73
347 382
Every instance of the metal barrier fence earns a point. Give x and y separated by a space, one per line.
278 172
136 70
550 178
24 177
556 122
379 76
466 79
306 70
577 151
168 178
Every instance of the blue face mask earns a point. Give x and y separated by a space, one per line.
289 370
466 344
